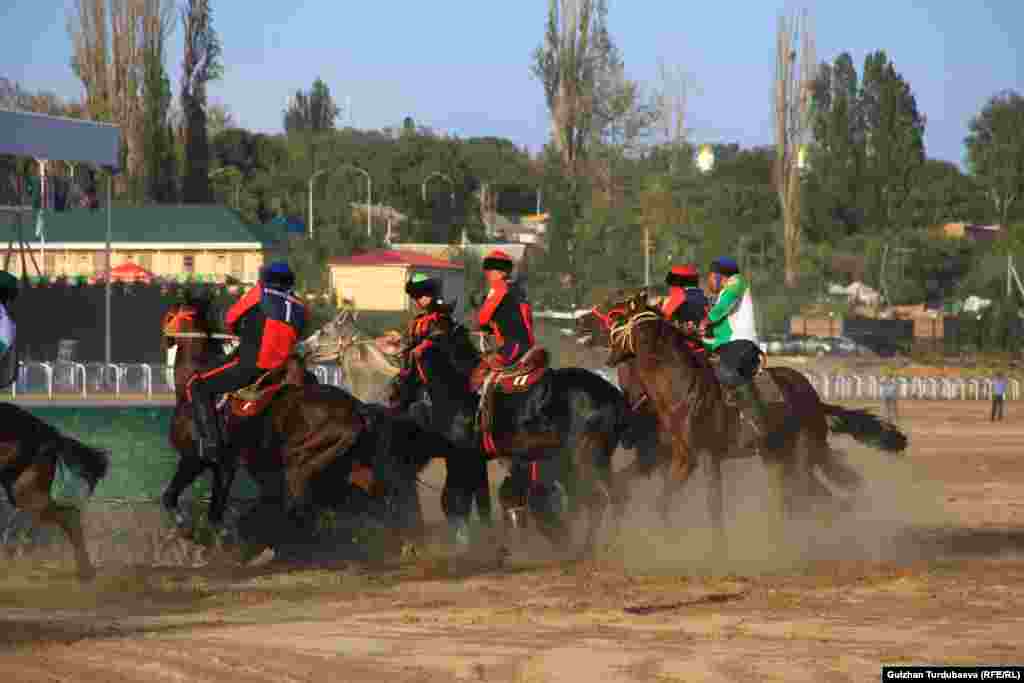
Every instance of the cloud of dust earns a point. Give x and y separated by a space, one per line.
896 498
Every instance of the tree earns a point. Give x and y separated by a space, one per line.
794 61
893 142
109 39
837 155
201 65
218 119
995 152
671 102
160 169
566 64
315 111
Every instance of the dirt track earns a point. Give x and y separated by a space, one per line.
929 568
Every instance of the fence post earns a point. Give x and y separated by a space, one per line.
48 370
147 373
85 378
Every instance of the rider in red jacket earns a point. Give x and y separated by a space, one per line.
268 321
506 314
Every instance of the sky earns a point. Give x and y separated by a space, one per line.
462 66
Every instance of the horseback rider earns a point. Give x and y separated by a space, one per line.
686 304
506 315
729 330
8 293
425 293
268 321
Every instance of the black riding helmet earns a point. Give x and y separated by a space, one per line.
8 287
277 274
422 285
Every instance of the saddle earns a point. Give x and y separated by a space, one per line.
765 385
514 379
252 399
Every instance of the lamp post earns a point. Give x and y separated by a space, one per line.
311 179
445 177
369 196
238 183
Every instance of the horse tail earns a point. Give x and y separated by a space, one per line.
835 468
91 464
865 427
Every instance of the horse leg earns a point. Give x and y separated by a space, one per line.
592 463
32 494
190 466
223 479
457 500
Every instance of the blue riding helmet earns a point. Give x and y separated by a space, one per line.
724 265
277 273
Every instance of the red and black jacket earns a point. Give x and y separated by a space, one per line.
268 323
510 319
685 305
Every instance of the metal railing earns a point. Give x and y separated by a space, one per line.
62 380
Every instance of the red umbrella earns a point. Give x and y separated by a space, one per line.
130 272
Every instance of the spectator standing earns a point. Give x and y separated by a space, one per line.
998 396
889 392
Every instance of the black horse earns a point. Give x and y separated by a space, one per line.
570 419
304 446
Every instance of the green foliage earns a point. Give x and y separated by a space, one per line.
312 112
868 149
995 153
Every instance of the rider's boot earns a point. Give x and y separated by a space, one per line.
208 429
753 408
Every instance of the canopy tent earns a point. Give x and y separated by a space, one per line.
127 272
55 138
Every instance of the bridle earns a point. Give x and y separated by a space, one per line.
173 323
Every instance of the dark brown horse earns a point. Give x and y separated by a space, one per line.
30 451
308 431
584 413
694 415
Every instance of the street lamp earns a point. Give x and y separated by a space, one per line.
238 184
445 177
311 179
369 196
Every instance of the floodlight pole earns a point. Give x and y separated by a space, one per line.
110 182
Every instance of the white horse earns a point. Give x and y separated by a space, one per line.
368 365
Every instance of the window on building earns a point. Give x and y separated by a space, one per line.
237 266
50 264
144 261
189 263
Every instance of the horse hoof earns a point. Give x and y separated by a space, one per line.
179 520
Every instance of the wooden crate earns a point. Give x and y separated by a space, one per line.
816 326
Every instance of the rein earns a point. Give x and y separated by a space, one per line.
199 335
622 333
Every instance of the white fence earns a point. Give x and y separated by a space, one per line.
145 379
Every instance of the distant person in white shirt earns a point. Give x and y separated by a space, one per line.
8 357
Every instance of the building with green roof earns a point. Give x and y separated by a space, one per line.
168 241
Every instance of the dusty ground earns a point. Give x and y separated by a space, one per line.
928 568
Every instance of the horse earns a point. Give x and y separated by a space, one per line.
587 413
694 415
368 364
370 367
308 431
30 451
